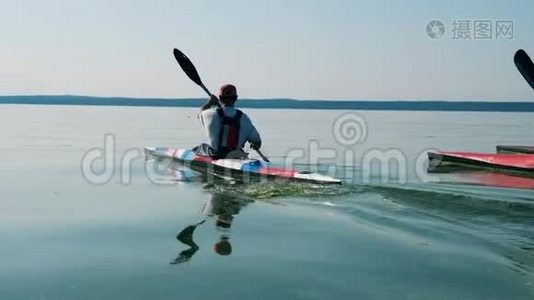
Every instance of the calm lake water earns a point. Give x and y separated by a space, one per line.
385 234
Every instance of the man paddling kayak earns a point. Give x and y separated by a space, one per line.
227 128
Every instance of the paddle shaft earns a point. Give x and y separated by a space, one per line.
206 89
210 94
262 156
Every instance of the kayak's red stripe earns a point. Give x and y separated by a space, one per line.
203 158
277 172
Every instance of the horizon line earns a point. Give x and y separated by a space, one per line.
276 98
278 103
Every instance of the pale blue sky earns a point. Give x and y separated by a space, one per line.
337 49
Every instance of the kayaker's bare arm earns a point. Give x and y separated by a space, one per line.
213 101
254 137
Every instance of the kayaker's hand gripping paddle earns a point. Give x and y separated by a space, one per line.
192 73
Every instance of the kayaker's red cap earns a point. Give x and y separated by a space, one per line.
228 90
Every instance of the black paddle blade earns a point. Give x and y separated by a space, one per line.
525 66
187 66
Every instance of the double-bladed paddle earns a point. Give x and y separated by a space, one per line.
525 66
191 72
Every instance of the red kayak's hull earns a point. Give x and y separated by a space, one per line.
512 162
493 179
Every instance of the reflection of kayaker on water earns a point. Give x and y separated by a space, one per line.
227 128
223 208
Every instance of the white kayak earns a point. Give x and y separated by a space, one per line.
251 169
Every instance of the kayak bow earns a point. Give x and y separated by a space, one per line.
511 162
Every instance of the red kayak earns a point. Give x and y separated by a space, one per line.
514 162
515 149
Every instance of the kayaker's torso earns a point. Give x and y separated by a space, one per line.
213 122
